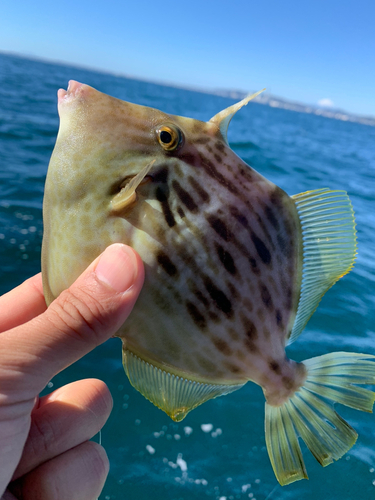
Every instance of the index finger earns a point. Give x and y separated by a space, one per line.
22 304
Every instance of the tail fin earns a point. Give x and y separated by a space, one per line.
307 414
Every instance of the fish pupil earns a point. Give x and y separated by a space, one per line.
165 137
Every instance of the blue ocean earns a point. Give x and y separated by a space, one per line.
218 451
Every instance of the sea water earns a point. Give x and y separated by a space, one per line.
218 451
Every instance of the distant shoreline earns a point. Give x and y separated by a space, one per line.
279 102
264 98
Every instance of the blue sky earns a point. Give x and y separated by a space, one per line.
305 50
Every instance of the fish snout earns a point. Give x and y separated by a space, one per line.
76 92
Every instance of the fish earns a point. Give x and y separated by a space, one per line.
234 267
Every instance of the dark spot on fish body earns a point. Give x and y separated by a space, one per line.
290 229
218 158
246 173
240 355
254 266
180 212
185 197
279 318
174 349
219 298
284 285
222 346
275 366
219 226
261 248
233 334
283 245
264 226
288 298
288 382
199 189
160 175
232 289
272 283
163 302
226 259
189 158
199 295
248 304
260 313
197 317
162 198
250 346
202 140
266 333
239 216
251 331
166 264
271 217
206 364
231 367
266 297
220 146
213 317
276 197
229 167
211 170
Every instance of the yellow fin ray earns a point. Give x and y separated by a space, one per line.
329 247
173 394
308 415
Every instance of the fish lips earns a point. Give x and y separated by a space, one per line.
71 92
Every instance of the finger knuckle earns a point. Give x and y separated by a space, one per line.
99 460
79 315
43 436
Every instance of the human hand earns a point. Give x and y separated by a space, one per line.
44 447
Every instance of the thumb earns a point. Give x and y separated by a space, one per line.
82 317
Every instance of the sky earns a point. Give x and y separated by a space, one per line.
308 51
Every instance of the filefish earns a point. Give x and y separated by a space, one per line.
234 267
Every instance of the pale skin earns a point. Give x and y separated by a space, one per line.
45 452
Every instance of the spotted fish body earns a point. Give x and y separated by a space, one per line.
234 266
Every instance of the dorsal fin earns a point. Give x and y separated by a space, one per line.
223 118
171 393
329 247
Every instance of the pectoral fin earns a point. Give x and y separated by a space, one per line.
128 196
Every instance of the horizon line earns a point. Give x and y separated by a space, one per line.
265 99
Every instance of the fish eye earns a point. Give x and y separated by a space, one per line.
170 137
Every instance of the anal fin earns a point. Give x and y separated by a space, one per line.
171 393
